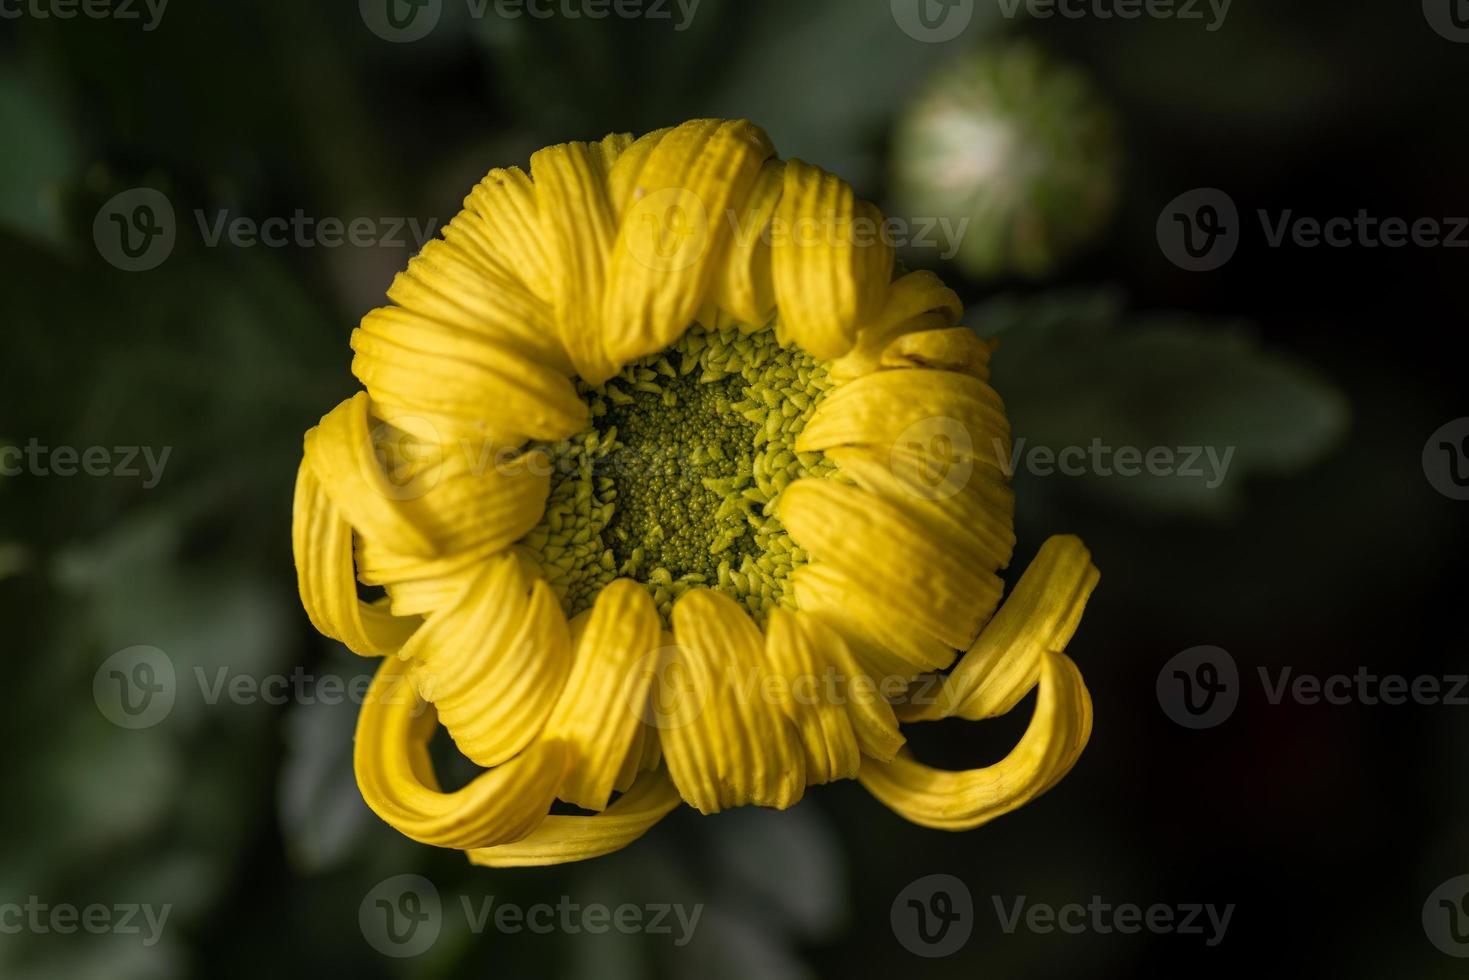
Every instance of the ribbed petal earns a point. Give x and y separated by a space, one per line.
1040 614
725 744
396 776
830 264
343 457
948 800
743 283
813 694
578 227
321 540
676 230
494 662
917 301
454 287
940 416
880 626
460 382
940 580
601 710
973 519
955 349
505 205
561 839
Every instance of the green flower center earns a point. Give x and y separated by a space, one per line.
676 480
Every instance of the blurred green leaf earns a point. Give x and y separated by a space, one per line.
35 165
1076 371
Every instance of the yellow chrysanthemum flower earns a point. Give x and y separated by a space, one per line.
676 494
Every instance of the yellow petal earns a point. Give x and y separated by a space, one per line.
601 710
1040 614
395 774
342 455
578 226
675 231
451 286
973 518
955 349
321 540
941 416
812 695
830 264
505 204
743 283
879 624
494 663
917 301
725 744
948 800
940 580
561 839
461 382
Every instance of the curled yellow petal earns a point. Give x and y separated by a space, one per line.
397 781
494 662
321 541
462 382
811 694
578 227
847 526
947 800
743 283
561 839
830 263
918 301
724 741
954 349
506 208
941 416
600 712
675 231
1041 614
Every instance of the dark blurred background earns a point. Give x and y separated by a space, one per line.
1334 544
